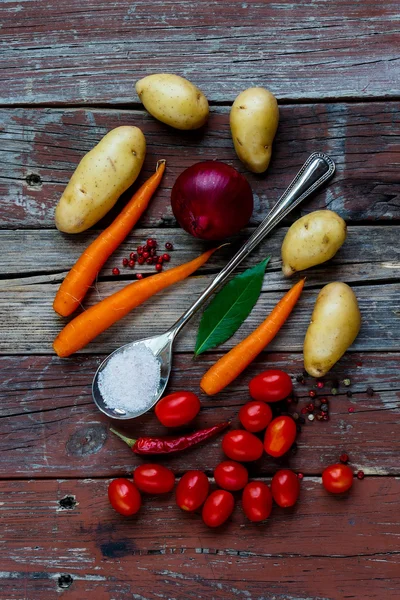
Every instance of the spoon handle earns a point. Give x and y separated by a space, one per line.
317 169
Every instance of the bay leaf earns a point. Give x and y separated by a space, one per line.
229 308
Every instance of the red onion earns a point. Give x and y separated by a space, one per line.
211 200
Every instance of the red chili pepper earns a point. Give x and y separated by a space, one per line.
168 444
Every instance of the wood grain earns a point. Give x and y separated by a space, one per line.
35 325
51 428
100 552
41 148
95 53
369 253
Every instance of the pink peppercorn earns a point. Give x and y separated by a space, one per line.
350 409
125 262
139 276
115 271
360 475
312 393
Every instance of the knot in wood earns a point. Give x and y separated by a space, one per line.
87 440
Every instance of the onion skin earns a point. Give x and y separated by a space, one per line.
211 200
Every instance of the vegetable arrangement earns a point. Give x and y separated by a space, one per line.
211 201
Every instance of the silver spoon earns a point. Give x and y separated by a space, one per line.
315 171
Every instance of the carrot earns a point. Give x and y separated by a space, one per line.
227 368
74 287
89 324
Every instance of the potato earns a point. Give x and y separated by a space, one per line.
312 240
254 120
335 323
100 178
173 100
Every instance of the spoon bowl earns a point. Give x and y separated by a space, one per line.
317 169
161 347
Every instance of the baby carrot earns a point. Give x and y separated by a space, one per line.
96 319
227 368
74 287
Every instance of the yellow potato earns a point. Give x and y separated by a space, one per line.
100 178
334 326
173 100
312 240
254 120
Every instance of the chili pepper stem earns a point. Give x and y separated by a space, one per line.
130 441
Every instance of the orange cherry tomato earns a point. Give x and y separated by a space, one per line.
255 416
285 488
257 501
280 436
337 478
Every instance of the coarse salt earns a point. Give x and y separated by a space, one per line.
130 379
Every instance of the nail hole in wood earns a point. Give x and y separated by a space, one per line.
33 179
65 581
67 503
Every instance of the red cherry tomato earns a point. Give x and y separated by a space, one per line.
255 416
192 490
280 436
257 501
242 445
337 478
154 479
231 475
285 488
218 508
124 496
177 409
271 386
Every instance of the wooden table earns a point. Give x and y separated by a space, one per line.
68 71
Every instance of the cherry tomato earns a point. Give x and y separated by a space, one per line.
280 436
231 475
242 445
337 478
255 416
218 508
124 497
271 386
192 490
154 479
177 409
257 501
285 488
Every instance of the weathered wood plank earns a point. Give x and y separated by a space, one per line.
96 53
28 308
370 253
349 545
51 428
41 148
41 382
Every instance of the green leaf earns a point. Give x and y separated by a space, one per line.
230 307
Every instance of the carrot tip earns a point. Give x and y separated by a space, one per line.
162 161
